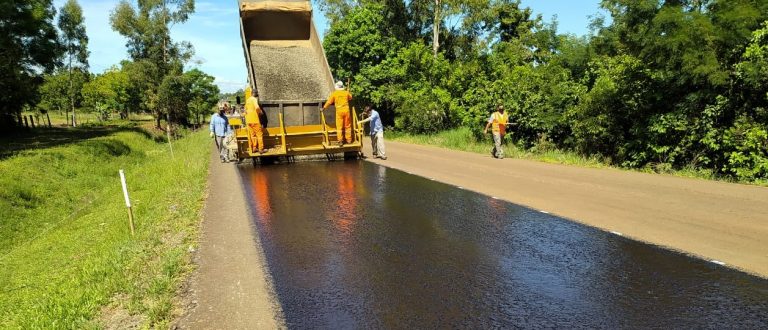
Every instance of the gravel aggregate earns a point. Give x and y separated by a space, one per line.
289 70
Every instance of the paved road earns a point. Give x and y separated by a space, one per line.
714 220
355 245
232 287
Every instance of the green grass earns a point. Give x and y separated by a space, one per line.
462 139
66 254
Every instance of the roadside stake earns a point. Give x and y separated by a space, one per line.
127 201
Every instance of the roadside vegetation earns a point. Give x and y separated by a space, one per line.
47 70
672 86
67 258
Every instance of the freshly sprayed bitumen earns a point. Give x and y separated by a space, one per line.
357 245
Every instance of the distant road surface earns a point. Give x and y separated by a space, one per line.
717 221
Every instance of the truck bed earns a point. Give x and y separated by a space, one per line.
288 70
289 73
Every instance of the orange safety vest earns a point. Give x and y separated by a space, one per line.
252 111
341 99
499 124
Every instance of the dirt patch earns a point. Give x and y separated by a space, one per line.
115 316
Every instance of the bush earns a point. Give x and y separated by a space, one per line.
746 148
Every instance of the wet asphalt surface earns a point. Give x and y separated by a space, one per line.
358 245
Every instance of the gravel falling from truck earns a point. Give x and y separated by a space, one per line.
288 70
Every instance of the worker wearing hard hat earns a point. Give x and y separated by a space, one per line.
253 120
219 128
498 123
341 97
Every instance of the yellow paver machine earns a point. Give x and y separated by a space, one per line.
288 72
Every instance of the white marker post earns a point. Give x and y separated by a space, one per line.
127 201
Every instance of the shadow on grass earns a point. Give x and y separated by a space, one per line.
43 138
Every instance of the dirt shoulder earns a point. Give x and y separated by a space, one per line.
230 288
714 220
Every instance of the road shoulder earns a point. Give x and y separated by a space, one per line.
231 288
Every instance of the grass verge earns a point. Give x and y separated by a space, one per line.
67 259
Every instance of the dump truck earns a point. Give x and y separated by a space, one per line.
289 73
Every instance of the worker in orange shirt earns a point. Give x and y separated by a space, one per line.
498 124
252 119
341 97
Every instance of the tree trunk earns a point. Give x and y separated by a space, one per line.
71 95
436 29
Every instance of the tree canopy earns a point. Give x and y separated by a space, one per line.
155 55
29 47
48 67
666 84
75 42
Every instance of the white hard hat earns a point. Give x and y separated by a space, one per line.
339 85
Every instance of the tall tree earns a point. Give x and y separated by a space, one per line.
28 47
53 92
148 30
172 95
358 40
108 92
395 15
429 15
203 93
337 9
75 42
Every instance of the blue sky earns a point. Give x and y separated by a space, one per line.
214 32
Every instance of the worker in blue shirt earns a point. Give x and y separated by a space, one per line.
219 130
377 132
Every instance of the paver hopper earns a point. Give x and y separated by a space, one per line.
288 72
